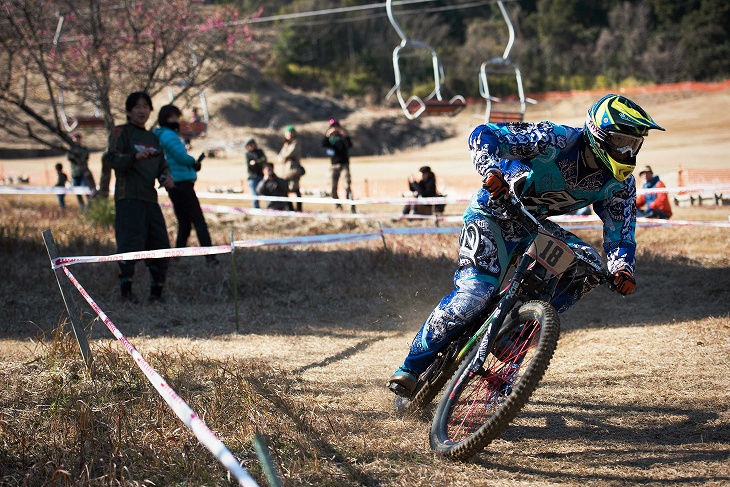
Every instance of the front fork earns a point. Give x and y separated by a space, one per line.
493 324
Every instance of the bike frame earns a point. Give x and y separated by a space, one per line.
551 254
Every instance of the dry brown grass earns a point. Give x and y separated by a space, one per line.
636 394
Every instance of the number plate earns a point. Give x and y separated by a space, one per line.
551 252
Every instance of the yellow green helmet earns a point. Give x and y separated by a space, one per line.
615 128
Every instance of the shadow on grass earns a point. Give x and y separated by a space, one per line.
296 291
590 427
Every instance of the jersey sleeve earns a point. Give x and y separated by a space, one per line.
618 214
490 143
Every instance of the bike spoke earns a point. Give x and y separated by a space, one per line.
480 394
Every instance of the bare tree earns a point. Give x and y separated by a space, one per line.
68 61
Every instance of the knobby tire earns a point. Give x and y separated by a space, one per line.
477 408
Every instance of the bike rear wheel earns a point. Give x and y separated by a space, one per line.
476 407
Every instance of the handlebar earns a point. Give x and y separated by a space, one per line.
514 207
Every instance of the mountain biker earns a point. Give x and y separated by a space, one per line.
553 169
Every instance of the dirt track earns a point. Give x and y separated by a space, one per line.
637 396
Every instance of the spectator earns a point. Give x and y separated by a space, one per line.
106 175
337 143
425 188
78 156
195 117
183 168
61 183
273 185
290 162
255 160
137 160
657 204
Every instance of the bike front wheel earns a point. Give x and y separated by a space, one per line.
478 405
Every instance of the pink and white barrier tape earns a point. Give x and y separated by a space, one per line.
44 190
206 437
220 249
234 210
142 255
437 200
344 238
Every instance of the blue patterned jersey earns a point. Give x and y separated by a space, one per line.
545 166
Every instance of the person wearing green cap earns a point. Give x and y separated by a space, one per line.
337 143
289 160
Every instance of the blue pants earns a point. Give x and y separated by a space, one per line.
486 245
79 181
252 183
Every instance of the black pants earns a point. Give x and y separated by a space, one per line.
139 225
188 213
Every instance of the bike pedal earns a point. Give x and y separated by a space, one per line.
399 390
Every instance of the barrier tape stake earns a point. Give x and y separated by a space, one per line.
235 278
262 451
387 251
68 300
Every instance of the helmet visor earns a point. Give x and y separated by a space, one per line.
622 146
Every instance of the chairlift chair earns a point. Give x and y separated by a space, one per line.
69 120
414 106
191 129
512 107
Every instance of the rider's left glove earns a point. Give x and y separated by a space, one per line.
624 282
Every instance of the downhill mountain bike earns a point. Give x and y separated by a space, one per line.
500 364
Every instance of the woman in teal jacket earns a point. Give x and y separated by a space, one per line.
183 168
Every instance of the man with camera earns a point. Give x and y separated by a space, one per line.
137 159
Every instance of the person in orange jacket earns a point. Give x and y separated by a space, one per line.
657 204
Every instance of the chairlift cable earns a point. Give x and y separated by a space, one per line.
401 13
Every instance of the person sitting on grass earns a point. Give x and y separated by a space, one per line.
657 204
273 185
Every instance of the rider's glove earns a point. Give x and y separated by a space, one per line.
624 282
496 185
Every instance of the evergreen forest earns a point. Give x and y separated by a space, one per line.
559 44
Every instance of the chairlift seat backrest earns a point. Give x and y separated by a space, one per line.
436 107
193 129
90 122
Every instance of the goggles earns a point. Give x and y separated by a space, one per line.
619 146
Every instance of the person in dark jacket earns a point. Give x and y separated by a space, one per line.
255 160
137 159
273 185
184 169
61 183
338 144
424 188
78 157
